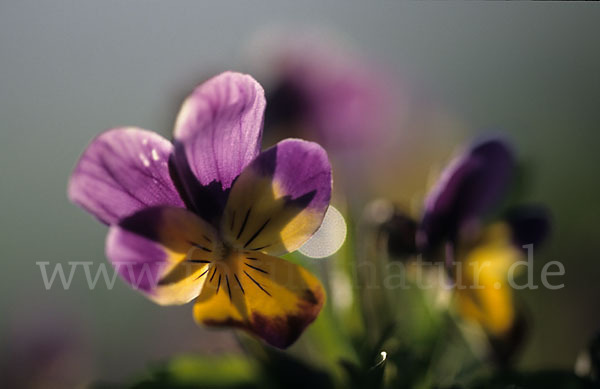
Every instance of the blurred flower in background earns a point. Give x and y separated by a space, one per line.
47 349
454 230
320 89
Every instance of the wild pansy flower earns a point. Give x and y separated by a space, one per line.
324 92
206 217
453 226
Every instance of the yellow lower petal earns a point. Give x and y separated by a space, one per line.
270 297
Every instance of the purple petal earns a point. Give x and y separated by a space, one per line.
298 167
161 251
280 199
218 132
466 190
123 171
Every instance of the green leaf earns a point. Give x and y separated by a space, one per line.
202 372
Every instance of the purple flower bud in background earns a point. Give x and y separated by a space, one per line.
320 90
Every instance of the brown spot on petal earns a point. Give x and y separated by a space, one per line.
229 322
310 297
280 332
283 331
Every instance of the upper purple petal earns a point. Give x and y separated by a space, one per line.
123 171
466 190
218 132
220 127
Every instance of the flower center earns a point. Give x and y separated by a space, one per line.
223 251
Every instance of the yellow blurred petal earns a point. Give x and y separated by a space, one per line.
491 308
487 298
